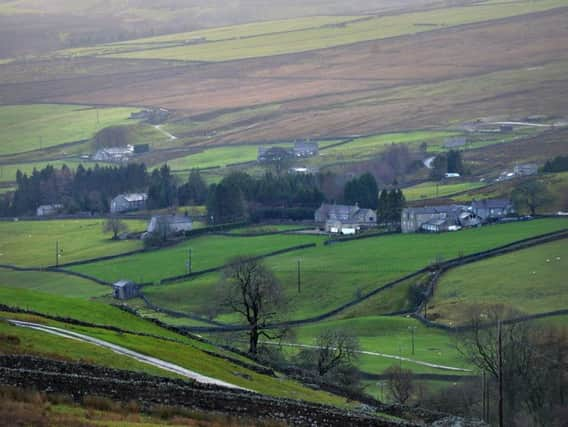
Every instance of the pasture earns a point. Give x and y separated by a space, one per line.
392 336
185 352
336 274
379 27
206 252
36 343
528 281
433 190
39 126
33 243
52 283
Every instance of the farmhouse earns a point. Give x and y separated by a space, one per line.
437 218
168 225
114 154
273 154
306 149
526 169
344 219
124 289
47 210
492 209
128 202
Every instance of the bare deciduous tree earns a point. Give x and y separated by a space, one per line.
400 383
335 348
250 289
115 226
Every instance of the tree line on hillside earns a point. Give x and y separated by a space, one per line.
450 162
238 196
558 164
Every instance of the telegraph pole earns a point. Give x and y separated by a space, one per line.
57 253
188 262
299 277
412 330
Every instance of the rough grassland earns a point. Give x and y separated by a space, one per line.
432 190
76 308
189 354
207 252
32 243
333 275
45 345
312 39
391 335
31 127
529 281
53 283
234 32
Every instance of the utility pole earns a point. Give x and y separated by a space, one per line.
57 253
188 262
500 365
412 330
299 277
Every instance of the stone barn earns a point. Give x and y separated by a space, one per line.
125 289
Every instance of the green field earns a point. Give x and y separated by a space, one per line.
432 190
333 275
32 243
38 343
378 27
223 156
365 147
206 252
187 353
33 127
392 336
528 281
53 283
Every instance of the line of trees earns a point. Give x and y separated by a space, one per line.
450 162
389 206
558 164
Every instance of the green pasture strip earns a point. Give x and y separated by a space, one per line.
334 275
52 283
233 32
79 309
37 343
379 27
392 300
432 190
364 147
206 252
33 243
265 228
529 281
31 127
393 336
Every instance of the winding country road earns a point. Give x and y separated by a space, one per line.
162 364
165 132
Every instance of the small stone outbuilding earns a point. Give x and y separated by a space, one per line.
125 289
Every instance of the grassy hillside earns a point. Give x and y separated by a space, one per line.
433 190
392 336
32 127
528 281
333 275
206 252
311 39
53 283
188 353
32 243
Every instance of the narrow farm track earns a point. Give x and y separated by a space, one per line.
162 364
387 356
